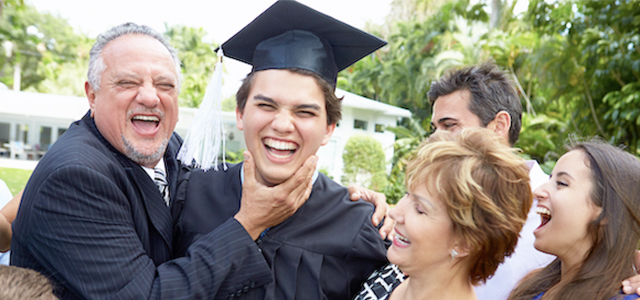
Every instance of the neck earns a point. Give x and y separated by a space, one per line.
568 271
452 284
571 263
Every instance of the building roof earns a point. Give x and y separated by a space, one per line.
72 107
356 101
42 105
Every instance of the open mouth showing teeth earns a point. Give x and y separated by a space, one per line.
146 123
280 149
545 215
402 239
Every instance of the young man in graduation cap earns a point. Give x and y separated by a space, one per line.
287 109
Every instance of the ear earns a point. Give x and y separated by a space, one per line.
501 124
328 134
462 249
91 96
239 115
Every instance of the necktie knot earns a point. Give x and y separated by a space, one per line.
161 182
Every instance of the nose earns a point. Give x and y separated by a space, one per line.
148 96
542 191
396 213
283 122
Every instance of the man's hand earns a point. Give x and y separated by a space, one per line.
382 207
632 285
262 207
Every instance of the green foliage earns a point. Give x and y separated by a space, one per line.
38 40
364 163
16 179
408 138
575 63
234 157
542 137
229 104
325 172
198 61
590 65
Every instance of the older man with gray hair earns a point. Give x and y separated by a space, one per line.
96 214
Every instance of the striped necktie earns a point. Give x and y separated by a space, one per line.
161 182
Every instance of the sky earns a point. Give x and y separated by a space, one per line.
220 18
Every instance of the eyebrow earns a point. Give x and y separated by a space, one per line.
165 77
442 120
301 106
563 173
121 75
421 199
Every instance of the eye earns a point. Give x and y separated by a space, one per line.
306 113
126 84
561 183
449 126
419 209
166 86
266 106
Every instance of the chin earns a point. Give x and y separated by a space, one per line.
144 154
393 257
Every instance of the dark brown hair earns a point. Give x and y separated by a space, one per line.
615 232
491 92
333 104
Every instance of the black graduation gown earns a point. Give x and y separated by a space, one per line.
324 251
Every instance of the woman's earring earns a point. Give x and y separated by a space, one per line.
454 253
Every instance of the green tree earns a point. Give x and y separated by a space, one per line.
364 163
589 65
36 39
408 138
10 3
198 61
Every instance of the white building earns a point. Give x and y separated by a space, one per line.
34 121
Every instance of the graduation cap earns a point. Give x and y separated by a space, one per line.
288 35
291 35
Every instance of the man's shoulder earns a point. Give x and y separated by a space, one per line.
330 201
224 172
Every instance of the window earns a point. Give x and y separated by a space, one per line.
5 130
45 137
61 131
379 128
359 124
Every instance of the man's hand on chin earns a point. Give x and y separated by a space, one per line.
262 207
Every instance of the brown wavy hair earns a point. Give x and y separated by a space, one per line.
616 231
485 188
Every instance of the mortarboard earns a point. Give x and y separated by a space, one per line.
288 35
291 35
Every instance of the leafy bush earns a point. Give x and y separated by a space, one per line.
364 163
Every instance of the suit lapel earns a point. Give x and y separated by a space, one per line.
157 211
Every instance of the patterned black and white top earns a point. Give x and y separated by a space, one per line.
381 283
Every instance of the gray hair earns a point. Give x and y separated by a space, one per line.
96 62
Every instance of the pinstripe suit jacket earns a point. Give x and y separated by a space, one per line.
94 222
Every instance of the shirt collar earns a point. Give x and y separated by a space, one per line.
151 172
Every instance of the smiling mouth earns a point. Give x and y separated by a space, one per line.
401 239
545 215
146 123
280 149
